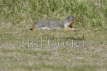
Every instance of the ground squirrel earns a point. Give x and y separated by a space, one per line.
67 23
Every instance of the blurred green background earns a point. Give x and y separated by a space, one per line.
89 13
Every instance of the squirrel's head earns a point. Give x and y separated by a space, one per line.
69 21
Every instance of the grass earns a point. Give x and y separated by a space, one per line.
24 50
61 59
28 12
70 59
52 50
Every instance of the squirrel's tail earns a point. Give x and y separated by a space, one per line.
33 27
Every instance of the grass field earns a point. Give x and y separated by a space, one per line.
57 50
25 50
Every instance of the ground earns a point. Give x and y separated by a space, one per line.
24 50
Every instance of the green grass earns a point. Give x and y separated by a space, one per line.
52 50
29 11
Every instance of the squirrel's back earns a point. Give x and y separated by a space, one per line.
49 24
